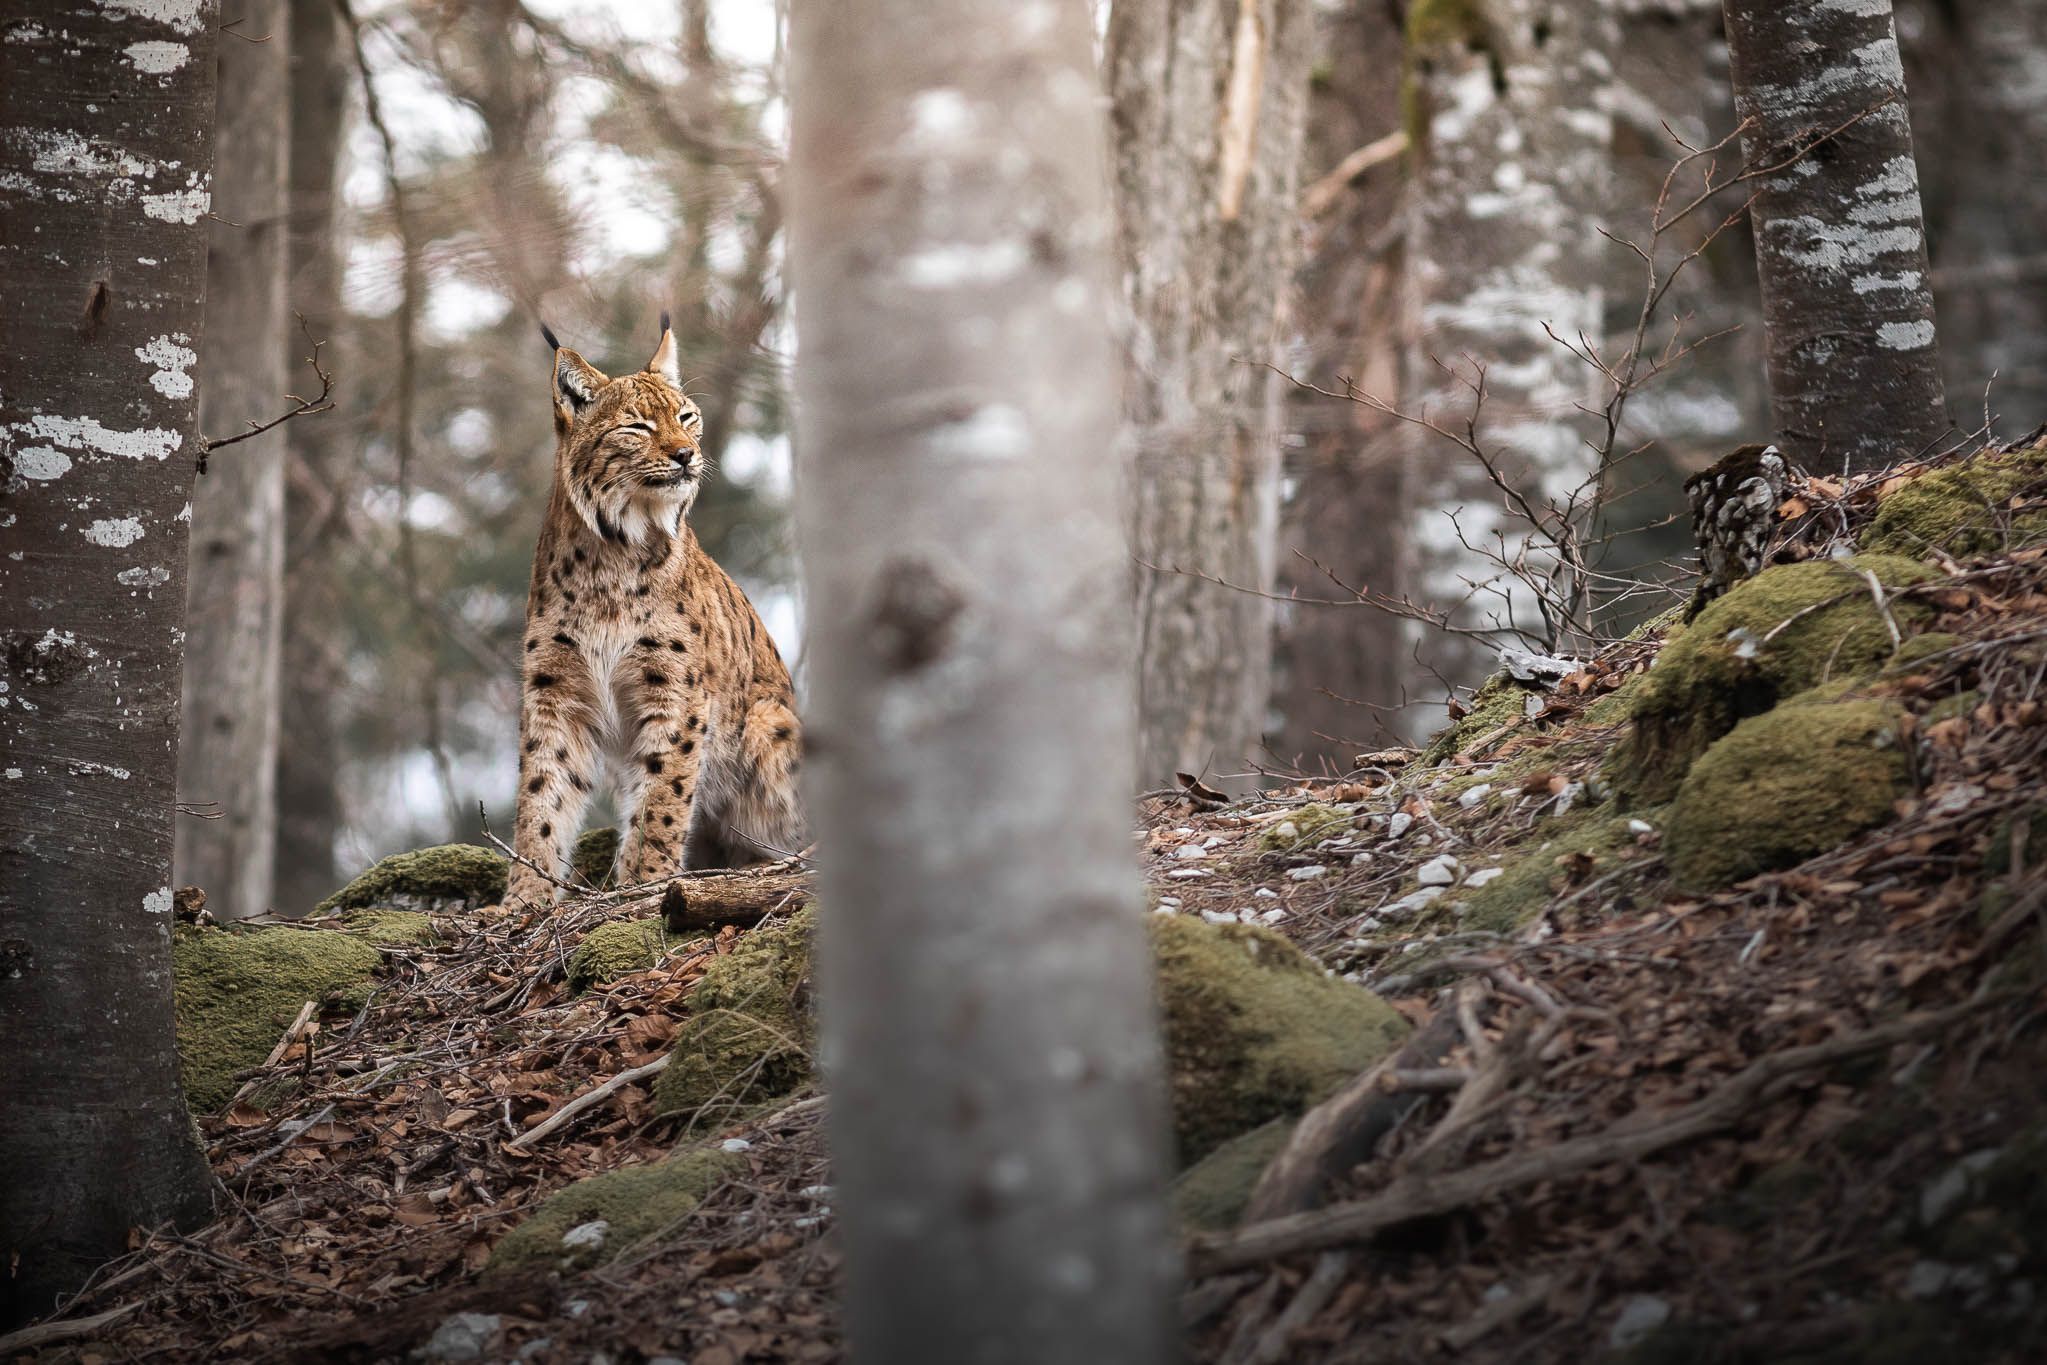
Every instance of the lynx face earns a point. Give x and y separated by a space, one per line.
629 447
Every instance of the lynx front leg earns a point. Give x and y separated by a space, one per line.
557 759
667 756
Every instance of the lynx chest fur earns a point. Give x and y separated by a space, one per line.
643 661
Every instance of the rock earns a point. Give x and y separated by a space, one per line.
1641 1315
1964 509
1305 827
750 1032
1412 901
1440 870
1210 1195
238 989
1398 824
632 1203
1472 796
735 1144
465 1336
618 948
586 1237
1190 851
1945 1192
1308 873
1546 669
1640 827
1784 786
447 877
1265 893
1484 876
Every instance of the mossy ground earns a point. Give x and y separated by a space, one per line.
237 990
637 1201
1305 827
1561 853
1966 509
1717 672
1211 1194
1784 786
750 1034
447 876
618 948
1499 703
1255 1029
391 928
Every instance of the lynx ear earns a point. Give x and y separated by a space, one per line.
576 380
665 362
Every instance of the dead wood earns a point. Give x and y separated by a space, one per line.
1423 1194
708 901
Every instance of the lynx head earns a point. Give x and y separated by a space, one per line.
627 448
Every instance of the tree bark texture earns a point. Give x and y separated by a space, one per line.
106 117
998 1114
1511 138
227 763
309 811
1209 99
1348 498
1840 237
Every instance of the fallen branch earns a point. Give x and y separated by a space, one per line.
1423 1195
50 1333
589 1098
703 904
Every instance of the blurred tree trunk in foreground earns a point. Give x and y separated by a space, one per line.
1347 506
1209 100
998 1111
1840 238
106 120
318 482
227 764
1511 135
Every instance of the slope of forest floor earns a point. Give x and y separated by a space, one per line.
1726 972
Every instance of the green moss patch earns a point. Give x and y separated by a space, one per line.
1783 787
1499 703
450 876
1255 1030
1967 508
618 948
596 854
1565 853
1211 1195
749 1035
1719 671
391 928
635 1203
1304 828
238 990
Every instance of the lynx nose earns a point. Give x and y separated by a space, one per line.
681 455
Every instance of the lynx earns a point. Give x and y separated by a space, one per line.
640 651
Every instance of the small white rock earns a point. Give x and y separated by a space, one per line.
1473 795
1640 827
1308 873
1287 831
1399 824
1219 917
1484 875
1190 851
1214 841
1181 874
1642 1314
1266 893
1360 859
1440 870
735 1145
1272 916
586 1236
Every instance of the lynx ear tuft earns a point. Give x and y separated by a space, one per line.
576 380
664 319
547 335
665 362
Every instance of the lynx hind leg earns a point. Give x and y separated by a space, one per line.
765 811
660 788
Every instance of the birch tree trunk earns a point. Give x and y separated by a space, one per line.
318 480
106 148
1209 102
1510 130
998 1113
227 764
1840 238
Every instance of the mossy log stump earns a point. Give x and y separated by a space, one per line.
704 902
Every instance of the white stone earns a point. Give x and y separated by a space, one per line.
1308 873
1399 824
1266 893
1190 851
1641 1315
1640 827
735 1145
1437 871
586 1236
1483 876
1473 795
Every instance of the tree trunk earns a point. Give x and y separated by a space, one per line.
1336 669
227 764
1209 102
1511 142
318 479
106 117
1840 238
998 1113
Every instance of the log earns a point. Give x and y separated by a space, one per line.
704 902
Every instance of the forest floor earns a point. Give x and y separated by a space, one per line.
1796 1115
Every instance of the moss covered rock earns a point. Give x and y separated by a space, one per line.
447 877
238 990
1304 828
634 1203
1783 787
1211 1195
596 853
750 1034
1255 1029
1499 703
618 948
1565 852
391 928
1719 671
1967 508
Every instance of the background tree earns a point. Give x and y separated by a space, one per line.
309 811
1511 133
997 1115
227 762
1840 238
106 119
1209 98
